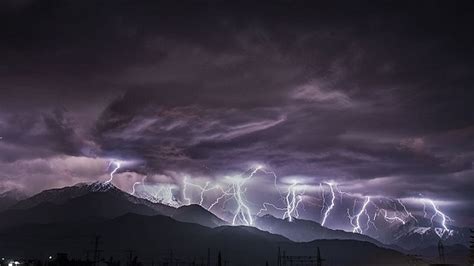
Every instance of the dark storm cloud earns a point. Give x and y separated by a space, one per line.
32 135
375 96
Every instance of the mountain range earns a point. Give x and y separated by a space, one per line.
10 198
64 219
424 234
303 230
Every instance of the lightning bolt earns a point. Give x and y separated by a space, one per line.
138 183
357 228
425 213
165 195
406 211
341 193
203 190
243 211
323 197
235 191
218 199
265 209
328 210
133 187
275 179
185 185
292 202
369 221
437 212
424 209
393 218
117 167
291 199
386 217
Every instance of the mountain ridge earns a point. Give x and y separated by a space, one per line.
100 201
11 197
157 234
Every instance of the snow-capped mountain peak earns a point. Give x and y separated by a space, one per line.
441 232
422 236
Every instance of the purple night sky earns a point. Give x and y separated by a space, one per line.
378 102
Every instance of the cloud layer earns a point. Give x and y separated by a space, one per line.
377 100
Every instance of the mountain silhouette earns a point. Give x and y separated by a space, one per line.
90 205
196 214
419 237
61 195
304 230
84 202
10 198
155 235
424 233
455 254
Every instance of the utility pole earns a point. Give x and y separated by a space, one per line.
130 255
96 251
442 259
471 259
284 258
319 260
208 257
171 257
292 260
279 257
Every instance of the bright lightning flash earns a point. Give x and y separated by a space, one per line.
116 168
243 211
165 195
391 219
265 209
218 199
236 190
203 190
328 210
292 202
357 228
133 187
443 216
406 211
